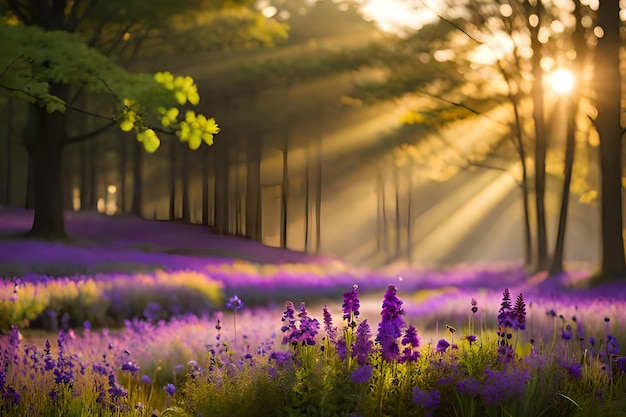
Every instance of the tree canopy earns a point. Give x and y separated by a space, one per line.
33 59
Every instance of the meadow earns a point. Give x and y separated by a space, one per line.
140 318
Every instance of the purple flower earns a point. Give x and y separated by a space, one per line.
115 389
290 322
331 331
500 386
342 349
442 345
351 305
389 328
387 336
130 367
152 311
474 304
14 342
234 303
11 397
362 346
566 332
621 363
170 389
145 379
429 400
362 374
411 342
469 386
305 332
308 330
471 339
308 327
505 312
612 345
281 358
519 311
572 368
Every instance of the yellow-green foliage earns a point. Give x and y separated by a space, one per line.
20 307
285 269
249 391
104 300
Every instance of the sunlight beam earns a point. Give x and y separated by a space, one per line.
562 81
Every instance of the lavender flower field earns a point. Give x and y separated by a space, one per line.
139 318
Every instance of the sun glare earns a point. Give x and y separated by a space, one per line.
395 16
562 81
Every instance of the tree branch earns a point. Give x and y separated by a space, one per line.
8 67
89 135
445 19
75 20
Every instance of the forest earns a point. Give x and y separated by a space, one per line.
202 203
342 138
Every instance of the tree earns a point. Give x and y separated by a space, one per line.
571 110
608 82
45 67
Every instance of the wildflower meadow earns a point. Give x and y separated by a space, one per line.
232 337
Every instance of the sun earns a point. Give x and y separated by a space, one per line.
562 81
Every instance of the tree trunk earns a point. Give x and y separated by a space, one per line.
540 143
307 202
397 206
409 214
318 189
137 203
172 210
122 189
383 215
518 143
206 155
220 198
93 175
8 178
29 204
571 109
186 205
607 81
43 138
238 194
284 195
253 191
83 176
570 145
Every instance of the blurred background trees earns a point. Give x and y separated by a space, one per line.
348 135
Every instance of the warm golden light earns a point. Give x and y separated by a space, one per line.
562 81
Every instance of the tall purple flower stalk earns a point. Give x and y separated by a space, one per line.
302 329
390 326
362 347
331 332
505 314
519 312
63 372
351 305
411 343
235 303
509 318
289 319
308 327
